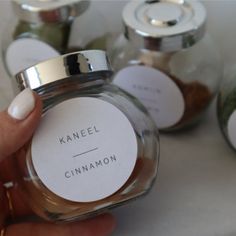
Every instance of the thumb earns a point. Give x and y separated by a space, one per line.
18 123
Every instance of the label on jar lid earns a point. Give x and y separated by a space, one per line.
231 128
26 52
84 150
158 93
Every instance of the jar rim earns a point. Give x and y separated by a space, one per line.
49 11
164 25
89 64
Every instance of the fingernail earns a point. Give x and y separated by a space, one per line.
22 105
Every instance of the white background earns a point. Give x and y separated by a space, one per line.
195 193
221 25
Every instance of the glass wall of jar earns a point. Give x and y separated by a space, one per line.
226 107
167 60
95 148
40 30
93 28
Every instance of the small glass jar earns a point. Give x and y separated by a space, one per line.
40 31
95 148
226 108
91 30
166 59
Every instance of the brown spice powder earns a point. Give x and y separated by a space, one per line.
143 173
197 97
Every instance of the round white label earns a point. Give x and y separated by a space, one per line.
232 129
26 52
158 93
84 150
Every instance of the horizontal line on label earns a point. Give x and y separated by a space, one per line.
82 153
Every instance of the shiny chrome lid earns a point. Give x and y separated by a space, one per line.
84 65
36 11
164 25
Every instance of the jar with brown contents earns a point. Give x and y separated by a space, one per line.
95 148
167 60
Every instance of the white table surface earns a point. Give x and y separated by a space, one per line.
195 192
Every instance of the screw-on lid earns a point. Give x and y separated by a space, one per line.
35 11
92 63
164 25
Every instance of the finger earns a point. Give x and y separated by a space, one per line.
12 190
12 205
100 226
3 207
18 123
18 206
7 172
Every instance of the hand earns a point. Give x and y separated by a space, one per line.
17 125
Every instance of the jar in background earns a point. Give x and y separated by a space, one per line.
167 60
41 31
95 148
226 108
92 28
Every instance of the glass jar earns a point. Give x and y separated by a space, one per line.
226 108
166 59
96 29
92 28
95 148
40 31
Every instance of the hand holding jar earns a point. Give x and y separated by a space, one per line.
95 147
16 127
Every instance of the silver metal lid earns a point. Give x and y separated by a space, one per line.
164 25
36 11
73 66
